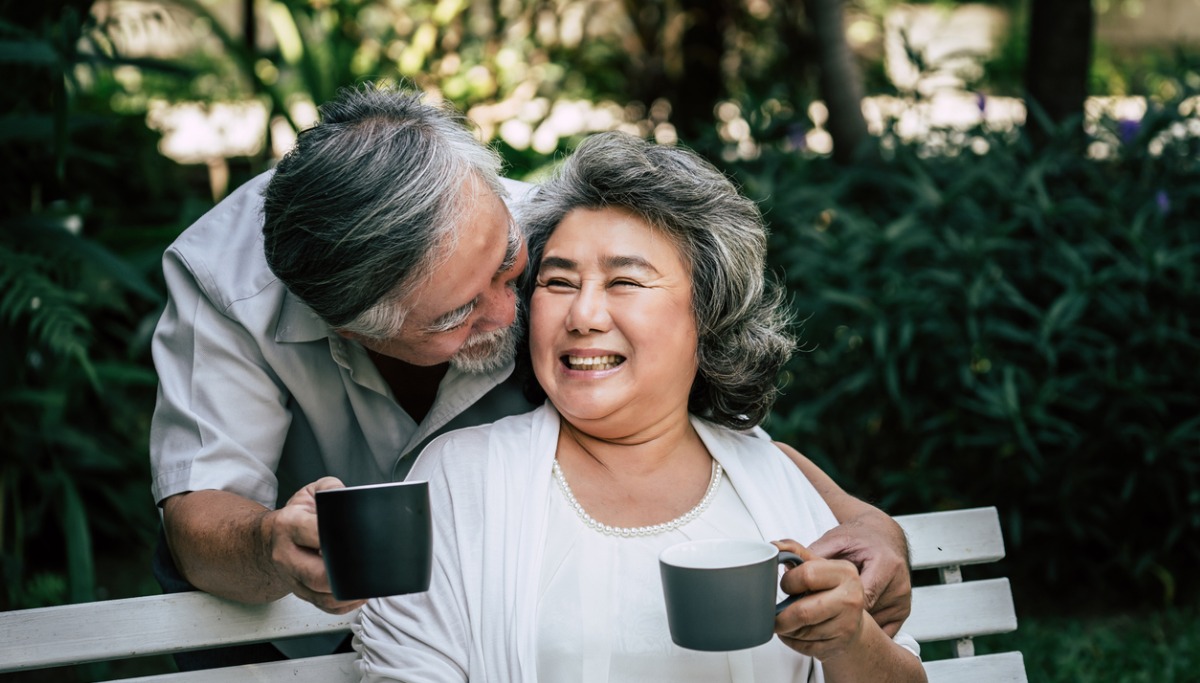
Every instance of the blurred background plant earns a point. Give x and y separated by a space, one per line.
85 196
996 261
1002 324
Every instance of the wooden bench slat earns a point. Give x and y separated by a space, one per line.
1004 667
156 624
337 668
958 610
940 539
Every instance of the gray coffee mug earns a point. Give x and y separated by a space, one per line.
720 592
377 540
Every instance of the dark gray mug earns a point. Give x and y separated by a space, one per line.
377 540
720 592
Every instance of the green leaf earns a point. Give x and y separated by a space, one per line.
80 565
29 53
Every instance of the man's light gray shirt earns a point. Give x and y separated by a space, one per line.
258 396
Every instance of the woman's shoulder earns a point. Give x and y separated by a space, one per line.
468 449
752 453
754 441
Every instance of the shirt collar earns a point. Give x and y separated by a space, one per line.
298 323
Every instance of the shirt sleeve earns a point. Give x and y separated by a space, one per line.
908 643
221 417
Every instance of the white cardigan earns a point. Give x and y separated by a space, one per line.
489 487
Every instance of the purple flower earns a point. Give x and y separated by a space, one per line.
981 102
1163 201
1127 130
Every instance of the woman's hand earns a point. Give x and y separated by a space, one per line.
829 620
874 543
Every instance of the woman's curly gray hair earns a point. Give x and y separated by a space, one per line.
741 317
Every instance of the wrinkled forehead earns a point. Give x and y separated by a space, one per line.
659 228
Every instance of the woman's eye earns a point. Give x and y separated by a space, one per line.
555 282
624 283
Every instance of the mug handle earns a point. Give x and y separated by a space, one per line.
795 560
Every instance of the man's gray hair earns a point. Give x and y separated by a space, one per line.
369 201
741 317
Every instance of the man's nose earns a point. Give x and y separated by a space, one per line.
500 307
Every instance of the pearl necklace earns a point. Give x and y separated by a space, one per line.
633 532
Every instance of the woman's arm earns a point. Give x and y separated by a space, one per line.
868 538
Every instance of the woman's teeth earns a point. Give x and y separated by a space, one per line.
593 362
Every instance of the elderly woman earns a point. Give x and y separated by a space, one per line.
657 342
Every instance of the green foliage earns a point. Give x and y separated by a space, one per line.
1006 329
76 387
1160 646
1155 647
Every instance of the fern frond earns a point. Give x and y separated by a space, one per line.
54 317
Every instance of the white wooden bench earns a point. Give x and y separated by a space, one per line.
956 610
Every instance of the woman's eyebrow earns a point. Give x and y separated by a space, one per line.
623 262
558 262
606 262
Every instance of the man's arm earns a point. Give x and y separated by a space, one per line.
870 539
227 545
218 428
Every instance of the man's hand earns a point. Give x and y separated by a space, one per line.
233 547
869 541
294 548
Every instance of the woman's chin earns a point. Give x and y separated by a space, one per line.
581 410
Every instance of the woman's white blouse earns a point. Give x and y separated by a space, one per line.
522 592
601 615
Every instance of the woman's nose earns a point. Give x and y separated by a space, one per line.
588 312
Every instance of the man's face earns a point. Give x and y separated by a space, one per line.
463 313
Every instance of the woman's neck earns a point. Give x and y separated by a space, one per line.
640 479
633 452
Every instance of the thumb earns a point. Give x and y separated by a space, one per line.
791 546
325 483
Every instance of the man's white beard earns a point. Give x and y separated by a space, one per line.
489 351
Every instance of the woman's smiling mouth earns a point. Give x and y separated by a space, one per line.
592 362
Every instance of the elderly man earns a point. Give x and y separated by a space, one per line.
329 318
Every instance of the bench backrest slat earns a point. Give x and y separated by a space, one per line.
337 668
959 610
156 624
958 537
1003 667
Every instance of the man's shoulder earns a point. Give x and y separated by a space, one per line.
235 220
468 449
223 249
517 190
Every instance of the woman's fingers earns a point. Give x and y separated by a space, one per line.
829 617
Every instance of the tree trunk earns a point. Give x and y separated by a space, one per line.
840 79
1058 61
701 84
682 45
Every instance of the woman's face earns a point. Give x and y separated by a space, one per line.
612 332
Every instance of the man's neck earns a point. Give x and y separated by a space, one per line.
415 387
